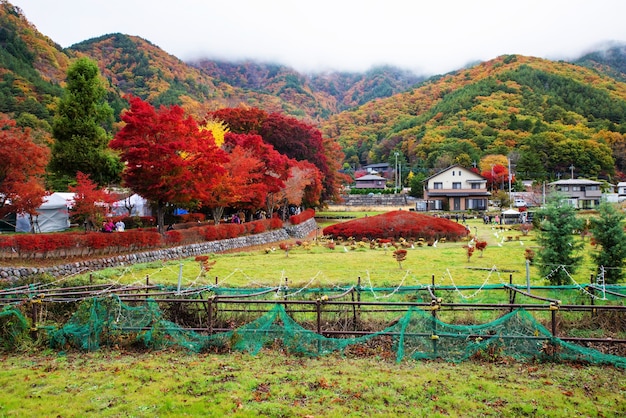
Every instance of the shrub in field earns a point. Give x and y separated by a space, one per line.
469 251
480 246
399 224
400 256
285 247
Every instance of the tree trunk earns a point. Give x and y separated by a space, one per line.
161 217
217 213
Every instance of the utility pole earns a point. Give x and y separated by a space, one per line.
510 203
396 173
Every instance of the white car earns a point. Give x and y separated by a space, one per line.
520 203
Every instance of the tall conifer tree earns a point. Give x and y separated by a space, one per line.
79 130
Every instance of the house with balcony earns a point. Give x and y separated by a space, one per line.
580 193
456 189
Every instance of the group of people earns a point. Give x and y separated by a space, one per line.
490 219
109 226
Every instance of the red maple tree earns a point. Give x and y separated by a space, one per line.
497 176
21 171
90 202
274 171
293 138
169 160
241 185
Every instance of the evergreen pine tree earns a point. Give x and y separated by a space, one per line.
81 140
608 233
559 245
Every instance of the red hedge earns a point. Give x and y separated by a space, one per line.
80 243
398 224
301 217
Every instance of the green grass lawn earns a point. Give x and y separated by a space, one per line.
319 266
172 383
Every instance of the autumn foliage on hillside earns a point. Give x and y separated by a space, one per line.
398 224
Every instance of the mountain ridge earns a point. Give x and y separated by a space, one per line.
498 106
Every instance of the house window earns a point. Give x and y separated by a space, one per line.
475 185
576 188
438 185
456 185
564 188
478 204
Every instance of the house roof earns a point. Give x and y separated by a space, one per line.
370 177
460 193
454 167
377 165
573 182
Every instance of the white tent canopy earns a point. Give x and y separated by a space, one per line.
52 216
140 206
511 216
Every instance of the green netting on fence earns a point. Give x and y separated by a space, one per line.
488 293
13 327
418 334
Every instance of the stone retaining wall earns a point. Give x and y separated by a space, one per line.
295 231
377 200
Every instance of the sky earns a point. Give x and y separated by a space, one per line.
427 37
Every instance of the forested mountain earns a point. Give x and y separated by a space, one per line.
31 68
610 60
134 65
323 93
547 115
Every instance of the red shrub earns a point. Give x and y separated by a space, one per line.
193 217
7 242
173 237
276 223
259 227
301 217
398 224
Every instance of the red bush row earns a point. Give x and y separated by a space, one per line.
71 244
302 216
79 243
398 224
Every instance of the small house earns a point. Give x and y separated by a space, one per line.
370 181
457 189
580 193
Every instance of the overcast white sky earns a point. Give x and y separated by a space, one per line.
425 36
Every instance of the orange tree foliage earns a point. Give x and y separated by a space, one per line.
302 187
290 137
22 167
241 184
268 179
398 224
497 177
169 160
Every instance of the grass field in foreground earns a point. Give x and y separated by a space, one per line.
172 383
